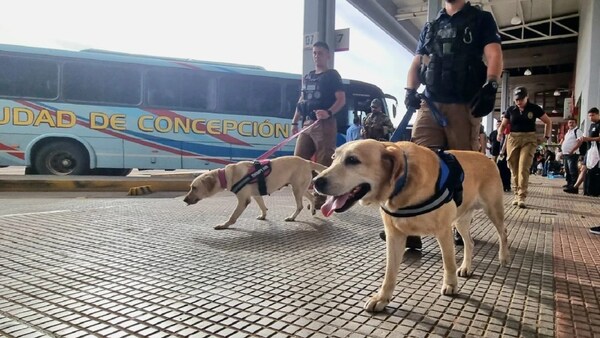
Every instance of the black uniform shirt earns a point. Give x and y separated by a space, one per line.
486 33
523 121
329 82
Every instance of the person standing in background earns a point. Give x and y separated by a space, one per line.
570 151
377 124
321 98
593 136
353 132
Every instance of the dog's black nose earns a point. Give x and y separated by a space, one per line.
320 183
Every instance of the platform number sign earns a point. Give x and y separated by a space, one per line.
342 39
310 39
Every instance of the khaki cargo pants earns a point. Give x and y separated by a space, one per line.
520 148
319 141
461 133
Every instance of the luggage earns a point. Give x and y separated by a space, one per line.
591 185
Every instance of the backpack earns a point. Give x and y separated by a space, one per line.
584 145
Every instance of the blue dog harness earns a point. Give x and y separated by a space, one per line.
449 187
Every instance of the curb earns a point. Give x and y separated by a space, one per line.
92 183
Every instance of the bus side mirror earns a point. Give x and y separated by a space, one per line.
394 109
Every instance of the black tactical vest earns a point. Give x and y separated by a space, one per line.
456 68
312 93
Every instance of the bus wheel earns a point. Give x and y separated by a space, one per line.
124 172
30 171
62 158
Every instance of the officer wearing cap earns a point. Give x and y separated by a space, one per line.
448 62
377 124
522 140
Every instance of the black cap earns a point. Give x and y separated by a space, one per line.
376 103
520 93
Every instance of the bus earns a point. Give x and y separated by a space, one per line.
105 113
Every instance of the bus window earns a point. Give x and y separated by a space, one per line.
98 83
258 96
175 88
29 78
292 94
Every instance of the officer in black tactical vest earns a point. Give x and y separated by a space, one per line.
449 62
322 97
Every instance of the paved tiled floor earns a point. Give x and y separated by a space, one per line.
151 267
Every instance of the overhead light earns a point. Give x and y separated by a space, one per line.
516 19
527 72
556 93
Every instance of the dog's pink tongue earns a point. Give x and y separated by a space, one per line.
332 203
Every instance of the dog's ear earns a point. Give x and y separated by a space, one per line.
393 161
209 182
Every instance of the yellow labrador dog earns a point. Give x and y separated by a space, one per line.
286 170
402 179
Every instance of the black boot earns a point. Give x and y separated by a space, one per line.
457 238
414 243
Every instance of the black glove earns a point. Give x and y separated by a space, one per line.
484 101
412 99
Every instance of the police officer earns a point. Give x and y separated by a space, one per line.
322 97
449 63
521 143
377 124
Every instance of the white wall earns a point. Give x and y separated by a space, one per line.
587 72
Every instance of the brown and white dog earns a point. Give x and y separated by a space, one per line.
286 170
369 171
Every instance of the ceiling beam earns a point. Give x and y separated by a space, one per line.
405 33
539 56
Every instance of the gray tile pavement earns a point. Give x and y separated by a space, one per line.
152 267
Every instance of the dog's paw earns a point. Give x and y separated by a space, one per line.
464 271
221 226
290 219
376 304
261 218
505 261
449 289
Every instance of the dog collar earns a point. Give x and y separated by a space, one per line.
401 181
222 179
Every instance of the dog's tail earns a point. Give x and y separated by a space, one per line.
317 167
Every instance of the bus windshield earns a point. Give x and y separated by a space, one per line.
98 112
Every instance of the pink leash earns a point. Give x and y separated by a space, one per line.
284 142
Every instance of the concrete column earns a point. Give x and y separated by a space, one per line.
433 7
319 18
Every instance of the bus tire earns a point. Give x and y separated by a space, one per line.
62 158
30 171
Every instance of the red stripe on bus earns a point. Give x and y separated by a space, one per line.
131 139
201 126
12 151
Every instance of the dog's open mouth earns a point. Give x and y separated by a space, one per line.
344 202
